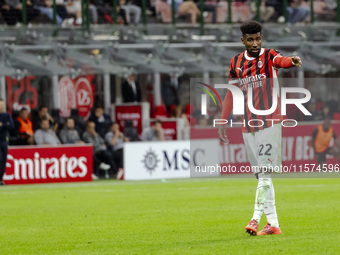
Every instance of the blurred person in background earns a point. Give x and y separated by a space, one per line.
101 120
154 133
297 12
6 123
209 6
178 113
202 121
104 9
46 8
24 128
102 157
69 135
325 113
311 107
116 139
266 11
183 8
44 135
131 90
43 114
11 11
131 10
321 139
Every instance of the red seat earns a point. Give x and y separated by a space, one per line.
161 112
336 116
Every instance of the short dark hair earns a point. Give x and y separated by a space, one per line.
157 121
23 109
251 27
41 107
69 118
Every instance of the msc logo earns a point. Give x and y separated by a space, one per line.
170 160
150 161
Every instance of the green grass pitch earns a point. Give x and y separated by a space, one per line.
187 216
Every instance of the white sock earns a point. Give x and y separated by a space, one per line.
262 192
270 208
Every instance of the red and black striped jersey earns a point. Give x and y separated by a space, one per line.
258 75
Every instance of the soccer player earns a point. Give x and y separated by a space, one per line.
255 69
321 139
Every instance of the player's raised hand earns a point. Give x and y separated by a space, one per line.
296 61
222 134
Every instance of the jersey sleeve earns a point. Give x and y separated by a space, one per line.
232 72
279 61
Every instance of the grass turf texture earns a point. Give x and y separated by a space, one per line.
193 216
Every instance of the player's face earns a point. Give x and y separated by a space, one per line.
253 43
24 115
70 124
326 125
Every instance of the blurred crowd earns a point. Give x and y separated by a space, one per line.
46 127
129 12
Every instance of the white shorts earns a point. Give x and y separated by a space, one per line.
264 148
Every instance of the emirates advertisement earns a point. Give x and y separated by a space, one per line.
34 164
76 93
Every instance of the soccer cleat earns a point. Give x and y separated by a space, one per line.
269 230
252 228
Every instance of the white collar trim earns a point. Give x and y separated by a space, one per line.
251 58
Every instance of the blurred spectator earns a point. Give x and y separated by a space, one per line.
325 113
209 6
74 7
183 8
154 133
202 121
130 131
101 120
69 135
241 11
266 11
102 157
6 123
11 11
24 128
43 114
131 90
104 9
116 139
44 135
178 113
296 12
321 139
45 7
278 7
311 107
131 10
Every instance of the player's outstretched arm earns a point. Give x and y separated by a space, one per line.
287 62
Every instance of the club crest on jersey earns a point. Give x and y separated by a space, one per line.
260 64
